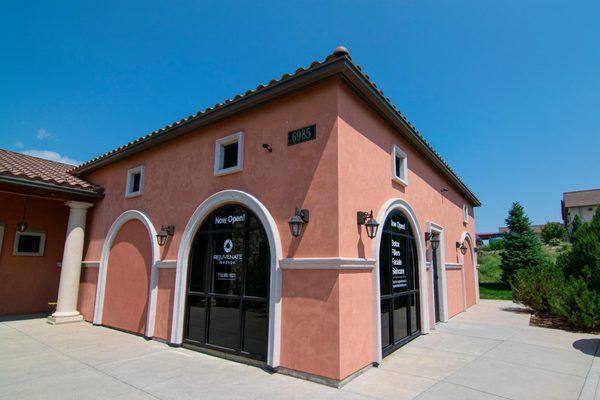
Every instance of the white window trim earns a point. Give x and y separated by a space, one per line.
1 235
219 144
403 178
130 173
39 253
465 212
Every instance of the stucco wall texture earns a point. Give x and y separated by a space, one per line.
28 283
328 327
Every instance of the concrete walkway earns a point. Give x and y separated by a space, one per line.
488 352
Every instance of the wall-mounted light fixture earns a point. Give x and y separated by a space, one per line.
22 226
267 147
366 219
434 240
161 237
296 223
461 247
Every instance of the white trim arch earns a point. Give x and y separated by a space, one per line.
467 236
116 226
209 205
407 210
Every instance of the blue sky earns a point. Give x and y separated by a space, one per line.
508 92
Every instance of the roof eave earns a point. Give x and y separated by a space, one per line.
341 66
88 194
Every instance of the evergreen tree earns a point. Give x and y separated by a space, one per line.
583 261
522 248
575 225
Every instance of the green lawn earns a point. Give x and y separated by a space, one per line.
490 286
494 291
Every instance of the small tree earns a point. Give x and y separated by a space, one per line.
522 247
583 260
575 225
553 230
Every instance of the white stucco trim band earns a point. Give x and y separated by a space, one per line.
102 272
454 266
165 264
262 213
84 264
327 263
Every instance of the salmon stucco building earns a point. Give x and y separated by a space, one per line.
305 226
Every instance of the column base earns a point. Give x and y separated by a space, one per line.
57 319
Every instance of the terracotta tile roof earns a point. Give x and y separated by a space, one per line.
36 169
339 54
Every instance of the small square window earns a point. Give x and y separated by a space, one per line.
229 154
135 180
465 211
29 244
399 166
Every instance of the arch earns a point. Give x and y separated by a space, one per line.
466 236
407 210
102 272
202 211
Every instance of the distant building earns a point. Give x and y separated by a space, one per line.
582 203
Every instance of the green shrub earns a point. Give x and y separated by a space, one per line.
522 248
538 287
553 230
578 305
554 242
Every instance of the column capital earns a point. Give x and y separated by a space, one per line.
79 205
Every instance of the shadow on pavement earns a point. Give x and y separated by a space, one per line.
587 346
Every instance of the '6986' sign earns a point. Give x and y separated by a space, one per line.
302 135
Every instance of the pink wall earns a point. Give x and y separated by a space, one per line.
28 283
179 174
469 275
128 279
310 332
87 292
454 290
164 303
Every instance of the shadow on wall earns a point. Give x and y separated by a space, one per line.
587 346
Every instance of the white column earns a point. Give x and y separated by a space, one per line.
68 290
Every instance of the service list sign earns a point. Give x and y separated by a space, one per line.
398 245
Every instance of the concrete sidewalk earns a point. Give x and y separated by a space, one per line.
488 352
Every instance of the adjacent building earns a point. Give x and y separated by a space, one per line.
582 203
305 226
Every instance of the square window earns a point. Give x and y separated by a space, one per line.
399 166
229 154
29 244
465 214
135 180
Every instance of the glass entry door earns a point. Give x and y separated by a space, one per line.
399 283
228 284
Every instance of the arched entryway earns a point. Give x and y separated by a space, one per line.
185 254
227 304
398 283
128 279
400 278
471 281
128 274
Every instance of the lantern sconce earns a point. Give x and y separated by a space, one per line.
301 217
461 247
366 219
161 237
434 240
22 226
